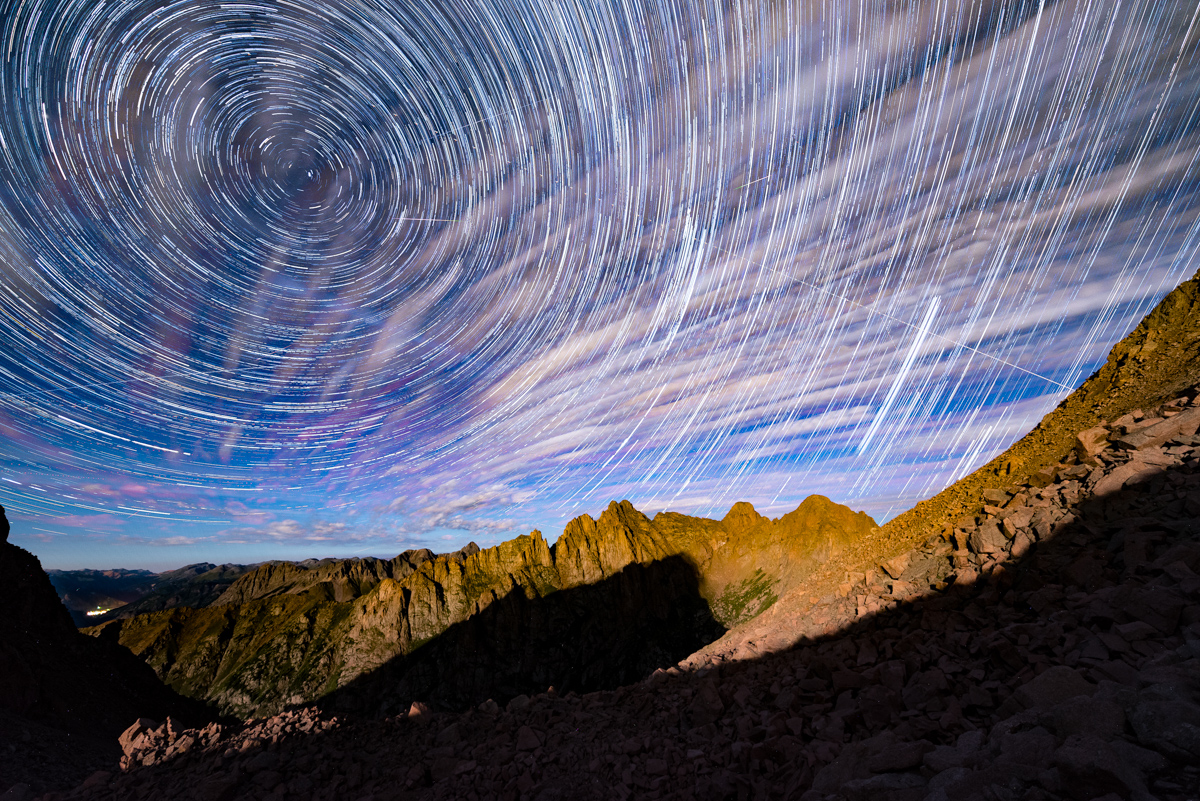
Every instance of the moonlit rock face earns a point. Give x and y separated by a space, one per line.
281 277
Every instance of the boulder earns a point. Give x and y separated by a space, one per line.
1166 719
1185 423
1048 690
996 497
923 687
987 538
706 707
1132 472
1089 443
896 566
1083 714
129 739
420 711
851 765
1091 768
899 756
527 739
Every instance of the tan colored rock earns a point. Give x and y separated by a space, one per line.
896 566
131 737
341 579
1131 472
589 550
316 643
1022 542
420 711
1091 442
987 538
1185 423
1010 529
1044 477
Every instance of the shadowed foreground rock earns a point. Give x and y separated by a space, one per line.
1048 648
64 697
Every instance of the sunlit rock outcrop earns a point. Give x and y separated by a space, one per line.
288 633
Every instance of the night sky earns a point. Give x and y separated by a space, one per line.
298 278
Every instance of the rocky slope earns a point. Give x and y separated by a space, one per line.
64 697
1046 648
197 586
286 634
1150 367
204 584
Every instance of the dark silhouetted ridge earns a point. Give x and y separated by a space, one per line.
64 697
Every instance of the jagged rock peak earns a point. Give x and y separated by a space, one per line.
584 524
742 515
470 549
623 514
400 605
4 527
619 514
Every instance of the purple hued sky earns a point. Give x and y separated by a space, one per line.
290 279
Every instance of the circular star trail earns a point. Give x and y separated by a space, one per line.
305 274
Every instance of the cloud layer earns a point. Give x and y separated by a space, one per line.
342 274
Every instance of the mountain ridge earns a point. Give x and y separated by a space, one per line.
1039 627
329 632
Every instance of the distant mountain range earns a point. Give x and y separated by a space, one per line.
95 596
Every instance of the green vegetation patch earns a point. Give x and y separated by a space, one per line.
745 599
477 581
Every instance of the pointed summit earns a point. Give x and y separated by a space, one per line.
742 515
622 514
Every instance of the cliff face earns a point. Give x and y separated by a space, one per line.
285 634
598 635
34 626
64 697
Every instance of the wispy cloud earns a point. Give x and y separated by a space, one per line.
856 253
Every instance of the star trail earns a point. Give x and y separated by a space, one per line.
300 278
